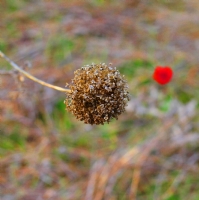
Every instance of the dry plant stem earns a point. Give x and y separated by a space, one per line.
137 172
15 66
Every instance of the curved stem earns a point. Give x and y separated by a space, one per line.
15 66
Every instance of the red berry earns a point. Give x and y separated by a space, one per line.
162 75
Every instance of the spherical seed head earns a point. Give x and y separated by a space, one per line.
98 94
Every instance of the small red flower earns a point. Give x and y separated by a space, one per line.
162 75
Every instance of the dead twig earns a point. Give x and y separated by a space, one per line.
16 67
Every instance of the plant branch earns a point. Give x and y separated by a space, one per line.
15 66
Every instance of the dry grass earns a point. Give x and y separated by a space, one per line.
151 152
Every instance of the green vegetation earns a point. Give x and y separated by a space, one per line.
12 142
59 48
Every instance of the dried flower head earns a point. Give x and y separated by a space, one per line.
98 94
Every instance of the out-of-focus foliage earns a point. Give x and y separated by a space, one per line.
151 152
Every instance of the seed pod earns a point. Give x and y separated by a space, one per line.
103 102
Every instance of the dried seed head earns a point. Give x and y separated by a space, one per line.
98 94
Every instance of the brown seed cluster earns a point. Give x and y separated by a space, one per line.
98 94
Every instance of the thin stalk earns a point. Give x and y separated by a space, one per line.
15 66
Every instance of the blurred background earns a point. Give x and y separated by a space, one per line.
151 152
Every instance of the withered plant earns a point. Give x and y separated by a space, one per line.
97 94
